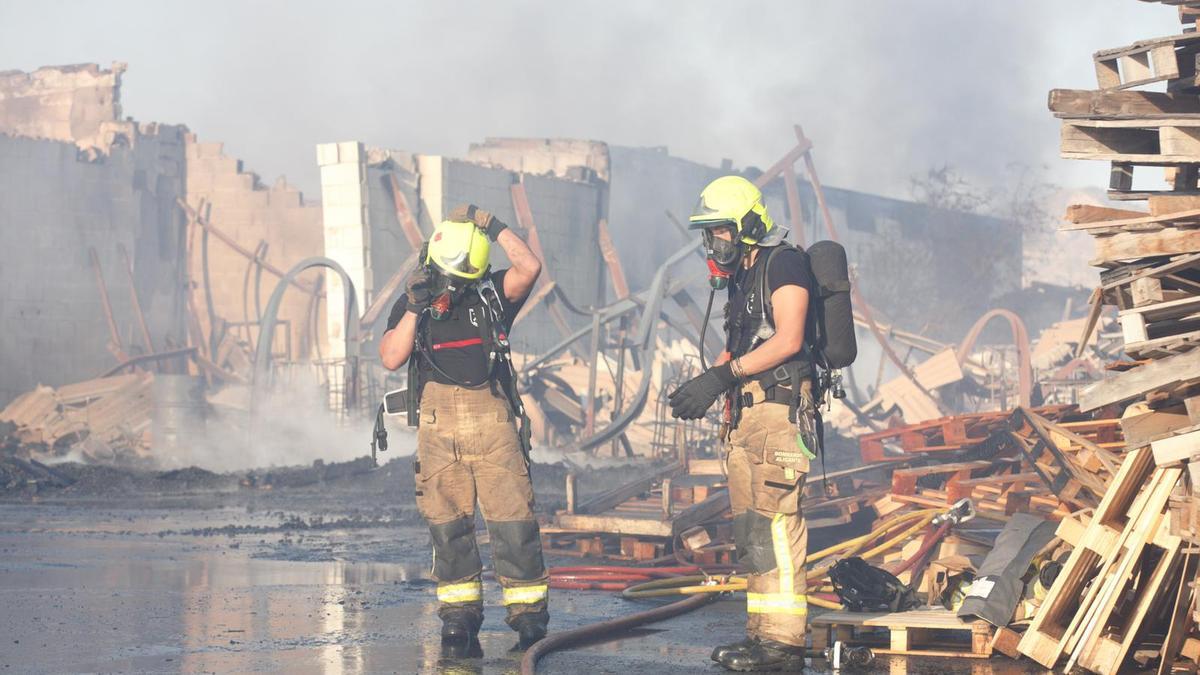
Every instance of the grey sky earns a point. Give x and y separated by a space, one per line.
885 89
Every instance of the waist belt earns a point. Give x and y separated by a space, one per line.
775 394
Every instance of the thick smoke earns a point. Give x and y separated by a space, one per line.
289 425
885 89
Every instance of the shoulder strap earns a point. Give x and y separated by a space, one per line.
494 332
768 310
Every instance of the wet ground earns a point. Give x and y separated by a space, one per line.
213 576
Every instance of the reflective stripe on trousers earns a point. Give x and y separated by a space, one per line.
781 602
470 591
525 595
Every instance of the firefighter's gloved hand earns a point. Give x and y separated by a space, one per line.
697 395
484 220
419 287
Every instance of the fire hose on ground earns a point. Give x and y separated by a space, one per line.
700 586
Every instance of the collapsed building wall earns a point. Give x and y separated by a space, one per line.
62 103
927 269
74 178
276 227
363 229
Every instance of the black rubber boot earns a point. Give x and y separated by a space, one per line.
766 655
720 653
456 651
459 627
530 628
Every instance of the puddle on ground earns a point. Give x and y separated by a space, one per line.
80 592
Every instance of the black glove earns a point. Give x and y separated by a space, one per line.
419 287
697 395
484 220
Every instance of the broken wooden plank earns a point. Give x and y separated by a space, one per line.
1082 214
1140 219
1176 449
1068 103
1138 381
1130 246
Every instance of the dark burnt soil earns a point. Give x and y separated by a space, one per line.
356 491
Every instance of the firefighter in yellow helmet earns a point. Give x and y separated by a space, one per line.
451 328
766 377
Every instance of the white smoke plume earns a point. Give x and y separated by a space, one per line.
885 89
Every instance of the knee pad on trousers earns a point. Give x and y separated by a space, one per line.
517 549
455 553
755 548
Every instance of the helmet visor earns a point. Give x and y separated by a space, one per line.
704 216
460 262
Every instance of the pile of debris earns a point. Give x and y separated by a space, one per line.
107 419
1049 461
1127 589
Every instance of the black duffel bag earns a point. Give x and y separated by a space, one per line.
864 588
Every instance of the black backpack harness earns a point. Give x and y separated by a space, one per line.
501 373
752 323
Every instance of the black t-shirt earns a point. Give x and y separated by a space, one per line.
788 267
455 342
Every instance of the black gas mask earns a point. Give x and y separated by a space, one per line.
446 291
723 255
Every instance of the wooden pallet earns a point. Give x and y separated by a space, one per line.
904 481
1162 375
1135 590
1102 220
921 632
1152 142
945 434
1170 59
1183 179
1162 328
1146 282
998 506
1115 533
1057 454
1151 280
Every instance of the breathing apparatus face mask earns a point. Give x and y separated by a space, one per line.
447 291
723 254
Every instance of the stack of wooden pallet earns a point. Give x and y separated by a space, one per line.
105 419
1127 589
1051 461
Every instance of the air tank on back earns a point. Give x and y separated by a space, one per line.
836 342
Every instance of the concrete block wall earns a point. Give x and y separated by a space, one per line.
63 103
344 231
362 230
55 204
562 157
647 182
240 206
565 213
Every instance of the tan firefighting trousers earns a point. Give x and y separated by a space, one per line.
468 451
766 477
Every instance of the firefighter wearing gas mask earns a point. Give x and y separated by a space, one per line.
766 384
451 328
